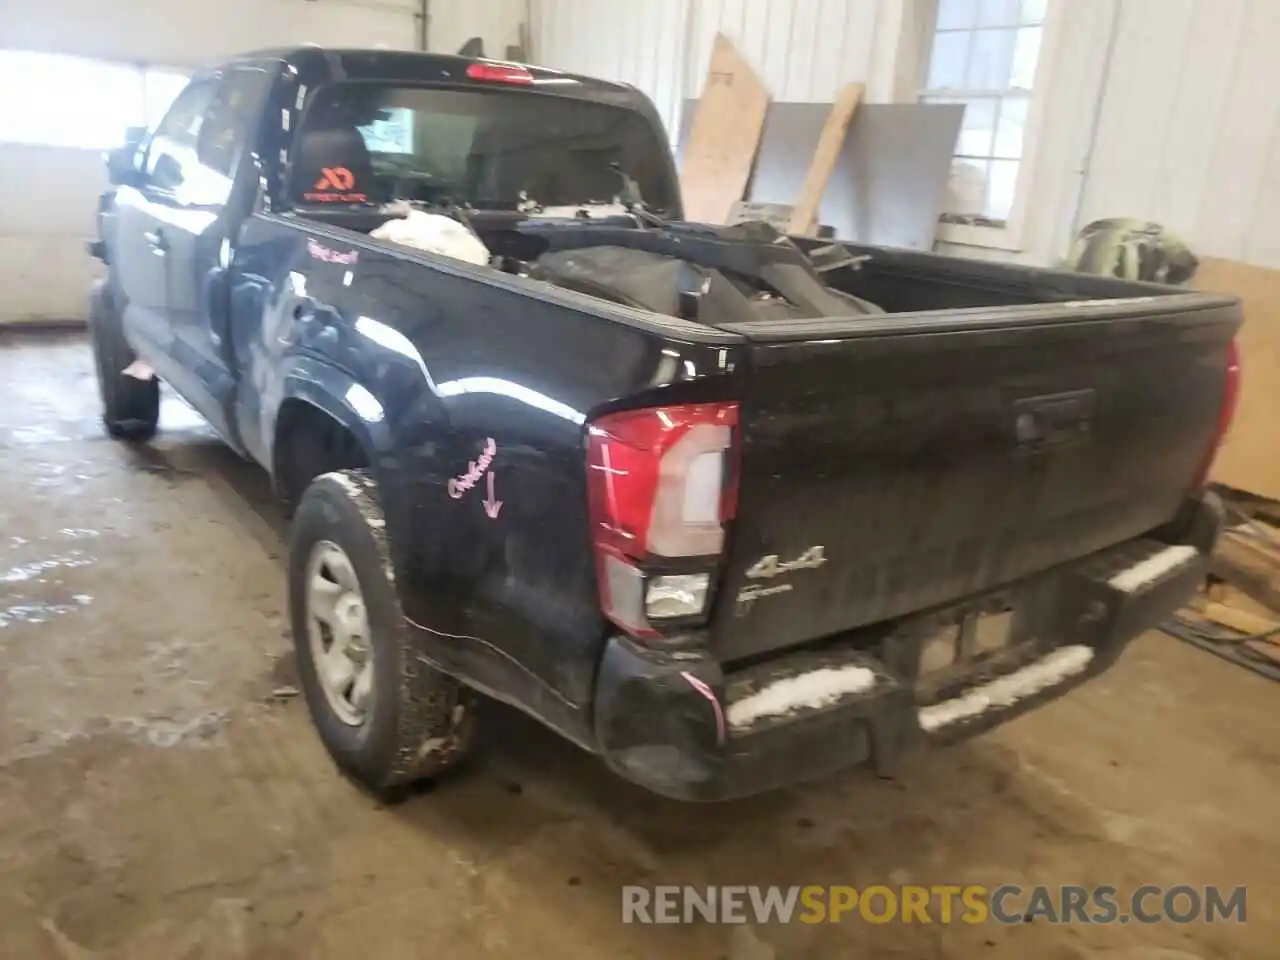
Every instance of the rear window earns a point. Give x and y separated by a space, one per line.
363 142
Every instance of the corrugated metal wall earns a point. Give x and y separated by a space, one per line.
803 49
1164 109
1189 125
641 42
192 34
454 22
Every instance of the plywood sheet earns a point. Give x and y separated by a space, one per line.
724 134
1250 458
890 180
830 144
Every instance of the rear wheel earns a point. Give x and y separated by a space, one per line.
130 406
386 718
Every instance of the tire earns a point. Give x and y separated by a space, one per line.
130 407
412 721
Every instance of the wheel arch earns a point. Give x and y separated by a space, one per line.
325 420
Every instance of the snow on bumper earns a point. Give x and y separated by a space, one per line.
685 727
805 691
1158 565
1058 667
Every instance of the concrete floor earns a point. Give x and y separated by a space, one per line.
157 800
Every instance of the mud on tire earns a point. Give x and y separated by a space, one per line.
130 407
419 722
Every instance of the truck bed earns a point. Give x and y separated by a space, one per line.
893 280
984 423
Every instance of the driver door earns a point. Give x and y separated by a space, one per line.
181 222
205 209
140 266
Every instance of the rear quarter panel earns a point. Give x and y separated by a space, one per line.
432 363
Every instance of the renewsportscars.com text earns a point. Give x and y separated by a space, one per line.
1010 903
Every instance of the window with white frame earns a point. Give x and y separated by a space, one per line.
984 55
79 102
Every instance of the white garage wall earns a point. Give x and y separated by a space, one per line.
50 202
641 42
177 32
804 50
1159 109
453 22
1189 126
1167 110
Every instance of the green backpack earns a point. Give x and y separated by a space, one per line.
1133 250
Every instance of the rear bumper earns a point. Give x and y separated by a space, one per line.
679 725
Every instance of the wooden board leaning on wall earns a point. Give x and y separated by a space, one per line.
723 137
804 219
1250 459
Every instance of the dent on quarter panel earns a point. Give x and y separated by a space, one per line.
505 594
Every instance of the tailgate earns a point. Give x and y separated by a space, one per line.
896 464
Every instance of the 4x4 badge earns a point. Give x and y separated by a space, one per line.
768 567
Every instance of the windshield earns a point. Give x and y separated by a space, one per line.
364 142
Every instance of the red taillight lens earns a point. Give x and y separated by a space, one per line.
1230 397
499 73
662 482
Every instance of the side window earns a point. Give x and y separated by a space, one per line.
172 153
232 118
195 149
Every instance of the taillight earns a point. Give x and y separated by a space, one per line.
662 484
1230 397
499 73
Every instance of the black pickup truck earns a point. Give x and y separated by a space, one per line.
730 509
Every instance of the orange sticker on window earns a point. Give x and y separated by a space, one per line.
336 185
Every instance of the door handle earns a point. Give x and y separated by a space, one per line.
301 311
155 239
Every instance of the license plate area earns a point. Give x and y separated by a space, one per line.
974 644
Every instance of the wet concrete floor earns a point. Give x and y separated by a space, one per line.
159 799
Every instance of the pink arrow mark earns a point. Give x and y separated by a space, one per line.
491 506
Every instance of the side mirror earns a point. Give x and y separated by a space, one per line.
122 162
166 173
